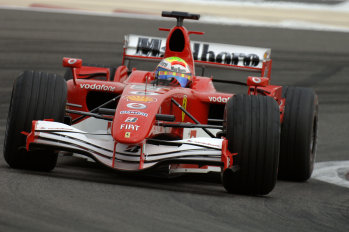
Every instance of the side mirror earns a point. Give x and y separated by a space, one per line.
72 62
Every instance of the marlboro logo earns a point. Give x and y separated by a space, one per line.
215 53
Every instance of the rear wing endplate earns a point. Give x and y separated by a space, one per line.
205 54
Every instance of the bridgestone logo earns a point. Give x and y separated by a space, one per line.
98 87
218 99
134 113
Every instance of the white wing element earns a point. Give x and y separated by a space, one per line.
128 157
204 53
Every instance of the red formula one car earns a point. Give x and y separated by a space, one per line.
133 120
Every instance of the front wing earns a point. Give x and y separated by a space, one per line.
127 157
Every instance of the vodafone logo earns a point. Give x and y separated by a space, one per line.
137 106
256 80
72 61
218 99
98 87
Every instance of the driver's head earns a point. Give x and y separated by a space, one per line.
173 71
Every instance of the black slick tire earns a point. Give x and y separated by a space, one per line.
252 128
298 134
35 96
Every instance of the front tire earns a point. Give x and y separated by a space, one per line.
252 127
35 96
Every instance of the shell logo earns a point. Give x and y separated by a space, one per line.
266 56
141 98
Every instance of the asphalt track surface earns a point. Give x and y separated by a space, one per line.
82 196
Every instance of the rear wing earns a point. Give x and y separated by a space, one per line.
236 57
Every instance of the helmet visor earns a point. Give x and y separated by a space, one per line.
165 74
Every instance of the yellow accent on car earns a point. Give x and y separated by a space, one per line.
184 105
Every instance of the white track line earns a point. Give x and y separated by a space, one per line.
334 172
83 12
286 24
340 7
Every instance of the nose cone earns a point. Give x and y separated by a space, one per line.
135 115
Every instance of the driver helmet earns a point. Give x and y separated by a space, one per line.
173 71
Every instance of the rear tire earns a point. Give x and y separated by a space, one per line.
298 134
252 127
35 96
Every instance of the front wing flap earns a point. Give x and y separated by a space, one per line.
127 157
